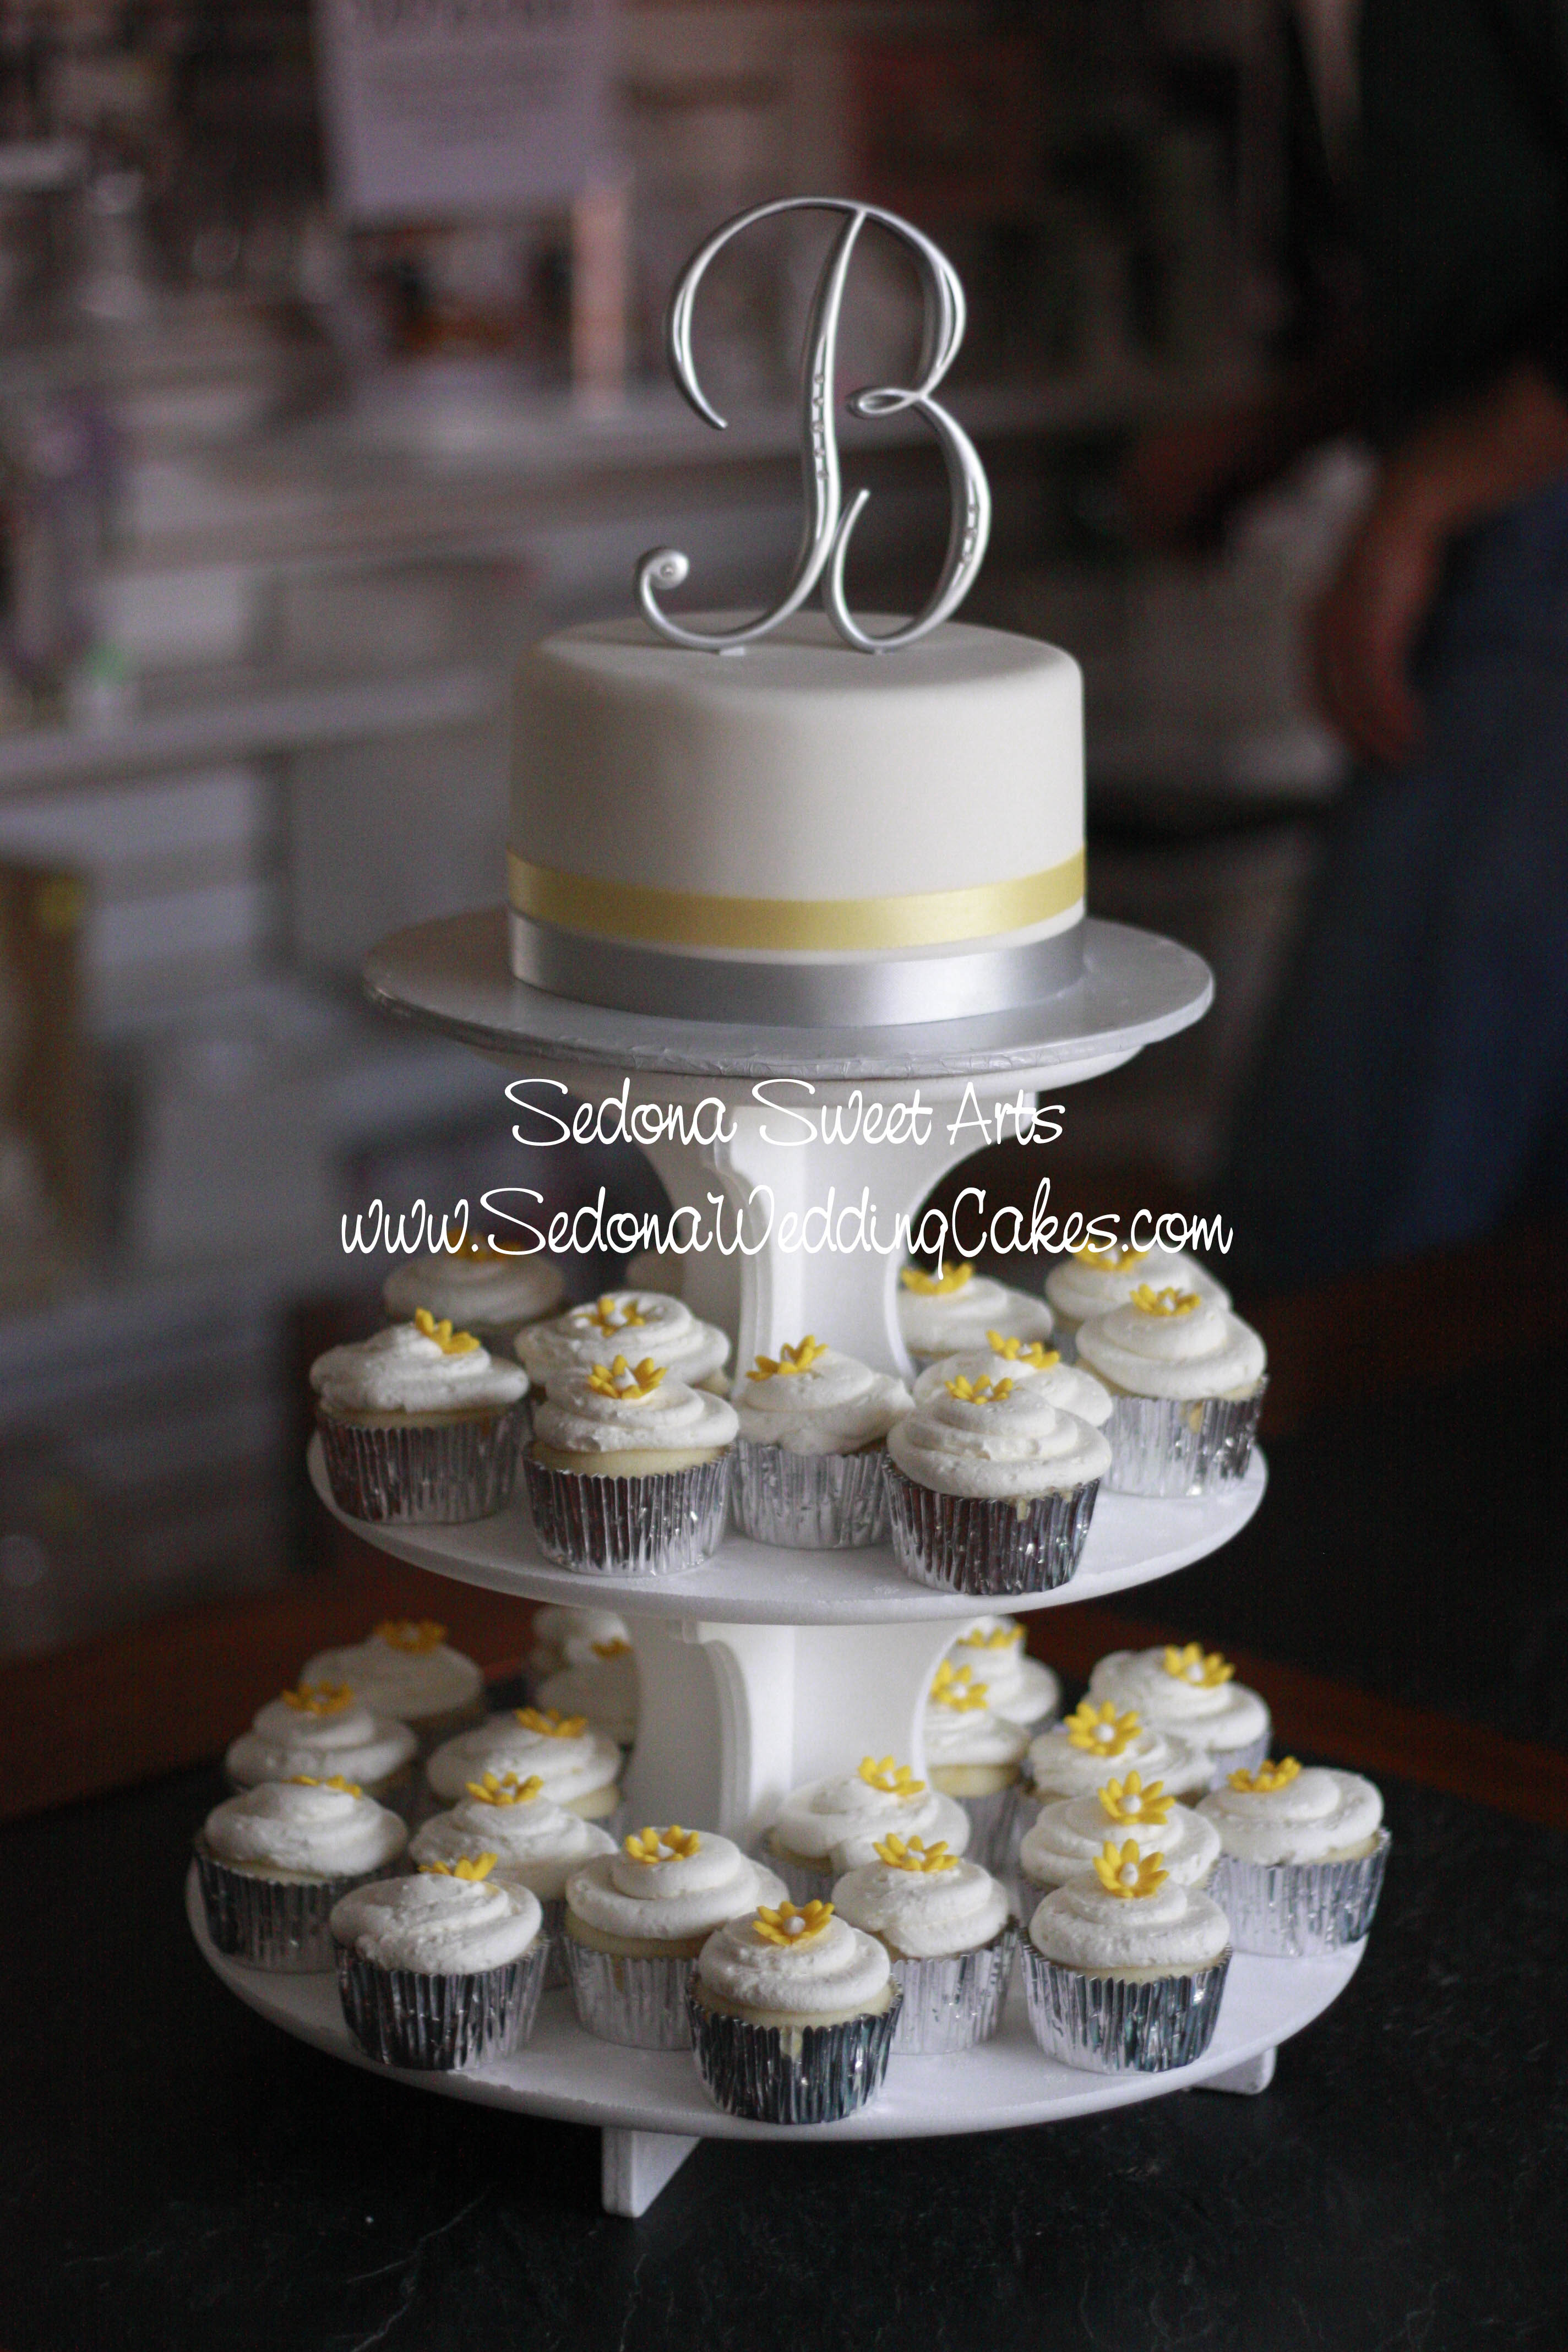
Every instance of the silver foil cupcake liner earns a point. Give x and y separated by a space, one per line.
424 1473
994 1833
274 1923
641 2002
659 1525
1169 1445
792 2073
1110 2025
811 1502
962 1543
440 2024
953 2002
804 1881
1300 1910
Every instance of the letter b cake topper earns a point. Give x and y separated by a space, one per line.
829 524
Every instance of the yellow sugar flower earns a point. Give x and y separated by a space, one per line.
1128 1874
661 1845
1111 1260
892 1779
955 1686
619 1647
309 1780
980 1391
789 1360
789 1924
916 1855
1169 1301
1018 1352
605 1316
480 1866
416 1636
450 1343
1130 1800
551 1723
504 1789
1191 1665
1266 1778
320 1699
1007 1636
937 1286
620 1380
1099 1729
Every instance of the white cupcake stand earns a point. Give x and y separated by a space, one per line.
766 1668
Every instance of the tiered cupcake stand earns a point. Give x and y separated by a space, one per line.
766 1668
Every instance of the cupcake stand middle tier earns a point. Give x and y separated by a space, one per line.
766 1668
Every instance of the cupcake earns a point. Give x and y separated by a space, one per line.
490 1292
440 1971
991 1488
975 1756
941 1313
1125 1969
404 1669
947 1928
1192 1693
323 1730
1091 1282
419 1424
1186 1379
1302 1855
628 1474
644 1326
1101 1742
812 1448
637 1918
792 2015
604 1688
273 1860
830 1826
1070 1388
1069 1832
570 1637
536 1843
576 1765
1018 1685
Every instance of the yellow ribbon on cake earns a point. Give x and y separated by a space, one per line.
698 919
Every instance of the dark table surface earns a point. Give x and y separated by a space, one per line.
174 2173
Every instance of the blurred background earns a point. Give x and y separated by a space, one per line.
320 394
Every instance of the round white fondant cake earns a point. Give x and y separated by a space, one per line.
797 831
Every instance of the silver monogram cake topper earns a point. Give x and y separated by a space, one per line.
829 524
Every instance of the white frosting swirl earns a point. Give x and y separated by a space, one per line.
974 1735
681 1896
352 1744
668 1331
1058 1769
1221 1718
1070 1388
923 1914
835 1406
438 1926
999 1446
399 1370
1069 1834
471 1288
1078 1290
1319 1813
314 1832
571 1769
604 1690
671 1419
536 1844
1016 1686
1206 1353
567 1637
938 1323
835 1973
839 1822
1083 1926
408 1684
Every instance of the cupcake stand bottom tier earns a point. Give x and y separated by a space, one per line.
652 2109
